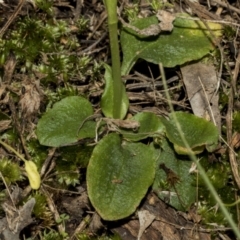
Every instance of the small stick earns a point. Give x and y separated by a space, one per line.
13 16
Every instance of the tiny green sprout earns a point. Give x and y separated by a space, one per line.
131 11
52 235
159 4
229 32
68 177
81 24
63 218
45 5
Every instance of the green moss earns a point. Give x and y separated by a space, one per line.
223 100
85 236
79 155
41 210
52 235
60 93
229 32
37 152
10 171
45 5
46 50
236 121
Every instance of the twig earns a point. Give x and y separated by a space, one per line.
9 148
53 209
81 226
232 156
211 21
10 195
223 4
18 128
201 169
93 45
47 161
104 17
209 106
235 73
78 9
212 115
200 229
13 16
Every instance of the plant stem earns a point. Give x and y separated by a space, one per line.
194 159
111 6
9 148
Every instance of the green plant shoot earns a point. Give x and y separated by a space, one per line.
117 86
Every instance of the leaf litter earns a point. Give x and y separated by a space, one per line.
32 93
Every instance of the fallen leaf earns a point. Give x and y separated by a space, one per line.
235 140
201 81
145 219
30 100
166 20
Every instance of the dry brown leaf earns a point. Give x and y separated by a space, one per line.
2 89
166 20
236 140
4 125
192 215
145 219
95 224
128 124
201 82
30 101
166 24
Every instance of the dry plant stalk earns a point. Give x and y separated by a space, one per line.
11 19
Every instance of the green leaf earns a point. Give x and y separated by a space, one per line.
118 176
186 192
189 40
107 96
60 125
150 126
197 131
